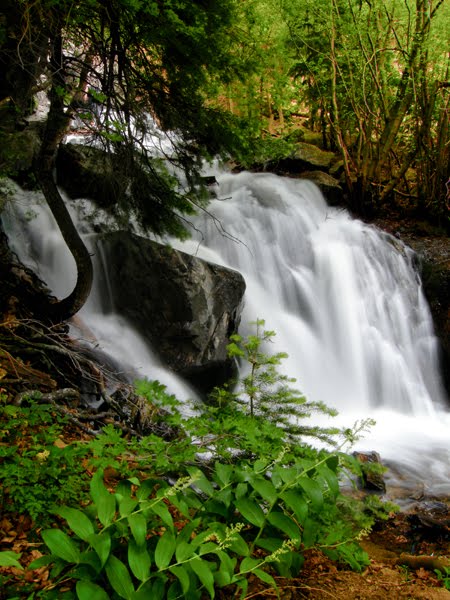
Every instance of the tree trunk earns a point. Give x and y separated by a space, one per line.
57 124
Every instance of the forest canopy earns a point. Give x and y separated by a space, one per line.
241 80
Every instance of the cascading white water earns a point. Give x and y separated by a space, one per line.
36 239
347 306
343 298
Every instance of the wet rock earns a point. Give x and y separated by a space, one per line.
430 521
372 476
87 172
328 185
185 307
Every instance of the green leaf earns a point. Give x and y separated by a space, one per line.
153 589
202 569
138 526
248 564
201 481
119 578
285 524
331 479
238 545
227 565
61 545
164 550
182 575
183 551
251 511
126 505
269 544
265 489
104 501
163 513
86 590
313 491
222 473
10 559
78 522
139 561
266 578
296 502
101 542
42 561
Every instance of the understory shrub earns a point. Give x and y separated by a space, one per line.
237 492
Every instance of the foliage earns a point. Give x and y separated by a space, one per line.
32 457
185 539
232 492
444 577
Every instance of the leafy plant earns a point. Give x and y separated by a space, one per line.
36 471
154 539
444 577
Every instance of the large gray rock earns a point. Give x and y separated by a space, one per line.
88 172
329 186
186 307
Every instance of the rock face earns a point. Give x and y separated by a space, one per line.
87 172
187 308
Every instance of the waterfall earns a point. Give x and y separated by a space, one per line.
344 299
347 305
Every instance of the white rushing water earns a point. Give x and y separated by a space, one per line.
347 306
343 298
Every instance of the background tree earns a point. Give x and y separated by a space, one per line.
112 65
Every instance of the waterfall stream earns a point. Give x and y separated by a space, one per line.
344 299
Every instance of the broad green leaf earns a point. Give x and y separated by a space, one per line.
269 544
164 550
153 589
288 475
224 575
78 522
238 545
183 551
201 481
61 545
10 559
104 501
222 473
208 548
251 511
313 491
285 524
119 577
139 560
91 559
42 561
138 526
163 513
101 542
203 571
266 578
126 505
248 564
331 479
182 575
296 502
265 489
86 590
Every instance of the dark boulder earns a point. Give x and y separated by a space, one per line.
328 185
88 172
185 307
372 471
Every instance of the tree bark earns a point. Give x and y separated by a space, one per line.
57 125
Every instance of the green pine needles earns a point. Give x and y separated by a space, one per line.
266 393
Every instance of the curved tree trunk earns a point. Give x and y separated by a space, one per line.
57 125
